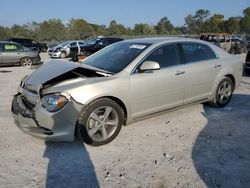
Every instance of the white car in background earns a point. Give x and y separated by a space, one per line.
62 50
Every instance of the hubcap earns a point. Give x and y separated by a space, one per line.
102 123
224 92
26 62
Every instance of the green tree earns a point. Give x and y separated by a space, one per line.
4 33
190 24
232 25
50 30
143 29
182 30
32 29
99 29
164 26
200 17
19 31
80 29
195 23
245 21
116 29
214 24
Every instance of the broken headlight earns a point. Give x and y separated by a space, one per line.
54 102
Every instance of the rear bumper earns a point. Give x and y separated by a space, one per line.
58 126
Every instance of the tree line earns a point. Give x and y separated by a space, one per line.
56 30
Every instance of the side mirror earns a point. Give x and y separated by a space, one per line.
100 44
149 66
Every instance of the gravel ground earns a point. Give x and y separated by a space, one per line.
197 146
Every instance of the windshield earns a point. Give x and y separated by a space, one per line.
91 42
116 57
63 44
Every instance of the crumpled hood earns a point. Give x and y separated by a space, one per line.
55 72
49 71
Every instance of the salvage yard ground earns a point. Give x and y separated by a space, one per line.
197 146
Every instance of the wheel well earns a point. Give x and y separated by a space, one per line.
118 101
232 78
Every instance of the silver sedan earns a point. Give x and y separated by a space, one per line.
120 84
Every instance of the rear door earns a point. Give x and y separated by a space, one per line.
201 68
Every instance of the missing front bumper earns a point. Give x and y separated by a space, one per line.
19 109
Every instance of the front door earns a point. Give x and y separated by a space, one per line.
153 91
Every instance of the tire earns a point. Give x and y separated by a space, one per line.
26 62
63 55
100 122
223 93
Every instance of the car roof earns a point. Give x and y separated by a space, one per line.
162 40
8 42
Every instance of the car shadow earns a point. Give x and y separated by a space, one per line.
69 166
5 71
69 163
221 152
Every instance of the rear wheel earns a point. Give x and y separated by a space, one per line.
26 61
100 122
223 93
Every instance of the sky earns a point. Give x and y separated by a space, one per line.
126 12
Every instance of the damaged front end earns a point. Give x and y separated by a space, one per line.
50 116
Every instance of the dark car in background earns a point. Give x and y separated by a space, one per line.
91 46
14 53
248 42
247 64
30 43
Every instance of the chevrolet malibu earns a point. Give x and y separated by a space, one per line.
120 84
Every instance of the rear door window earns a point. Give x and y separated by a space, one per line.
194 52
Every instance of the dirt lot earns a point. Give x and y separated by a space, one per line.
197 146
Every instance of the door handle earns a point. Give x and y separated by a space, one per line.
180 72
217 66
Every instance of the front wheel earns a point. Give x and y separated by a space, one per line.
63 55
100 122
223 93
